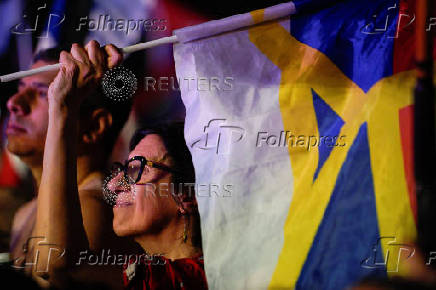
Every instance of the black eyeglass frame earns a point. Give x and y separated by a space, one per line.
144 162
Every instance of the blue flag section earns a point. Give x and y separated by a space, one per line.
356 35
348 229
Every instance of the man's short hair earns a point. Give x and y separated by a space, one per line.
119 110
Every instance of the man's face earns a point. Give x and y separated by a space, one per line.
28 120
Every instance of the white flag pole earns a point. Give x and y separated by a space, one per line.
184 35
53 67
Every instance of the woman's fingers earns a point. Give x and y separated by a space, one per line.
80 54
83 68
70 65
115 56
81 57
63 84
96 57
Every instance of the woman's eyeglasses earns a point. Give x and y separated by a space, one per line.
137 166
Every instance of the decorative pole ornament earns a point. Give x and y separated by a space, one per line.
119 84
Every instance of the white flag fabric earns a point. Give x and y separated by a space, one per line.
243 191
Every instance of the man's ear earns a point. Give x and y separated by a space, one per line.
100 121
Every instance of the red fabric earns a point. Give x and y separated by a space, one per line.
406 130
8 176
160 273
404 43
404 59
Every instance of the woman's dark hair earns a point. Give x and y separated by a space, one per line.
174 141
173 138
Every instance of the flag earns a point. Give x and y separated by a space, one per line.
298 118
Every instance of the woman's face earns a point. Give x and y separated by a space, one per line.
146 207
